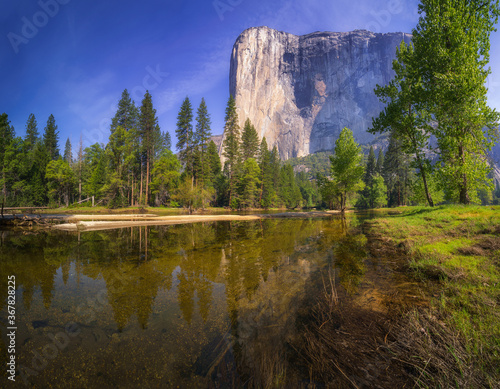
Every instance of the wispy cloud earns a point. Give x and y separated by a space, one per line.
89 100
198 81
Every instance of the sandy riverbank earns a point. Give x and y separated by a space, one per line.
105 222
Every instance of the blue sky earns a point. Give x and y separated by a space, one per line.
73 58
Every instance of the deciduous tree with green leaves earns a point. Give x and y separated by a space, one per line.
452 47
347 166
406 116
165 176
60 179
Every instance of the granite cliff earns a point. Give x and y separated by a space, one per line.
300 91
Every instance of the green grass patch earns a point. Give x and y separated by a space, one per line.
459 247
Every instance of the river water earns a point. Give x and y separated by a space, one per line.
198 305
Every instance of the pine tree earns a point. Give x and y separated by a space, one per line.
147 125
68 154
380 162
167 141
51 138
185 138
213 162
201 137
126 115
31 132
6 137
249 184
231 146
249 141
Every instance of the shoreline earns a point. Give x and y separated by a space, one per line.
76 223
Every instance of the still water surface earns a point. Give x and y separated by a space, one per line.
173 306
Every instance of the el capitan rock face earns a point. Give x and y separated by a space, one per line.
300 91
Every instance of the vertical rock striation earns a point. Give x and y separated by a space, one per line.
300 91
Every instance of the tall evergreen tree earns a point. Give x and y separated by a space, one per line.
201 137
231 146
249 141
31 132
148 125
126 115
167 141
249 184
380 162
185 138
6 137
213 161
68 154
51 138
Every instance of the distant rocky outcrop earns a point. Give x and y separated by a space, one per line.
300 91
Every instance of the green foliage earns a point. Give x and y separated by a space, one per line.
166 174
269 167
68 155
452 51
32 135
184 132
249 141
397 173
380 162
249 186
346 166
406 117
60 179
313 164
418 194
192 197
201 137
378 192
231 146
289 192
127 115
51 138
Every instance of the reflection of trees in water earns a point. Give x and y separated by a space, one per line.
349 254
239 254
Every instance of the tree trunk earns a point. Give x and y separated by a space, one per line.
464 196
140 191
424 179
132 194
147 182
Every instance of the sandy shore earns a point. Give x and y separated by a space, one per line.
106 222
